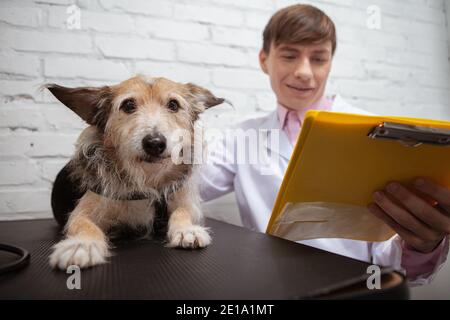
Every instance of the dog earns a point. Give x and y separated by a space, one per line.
123 168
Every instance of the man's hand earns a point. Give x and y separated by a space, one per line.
420 224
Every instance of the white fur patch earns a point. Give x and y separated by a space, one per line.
192 236
77 251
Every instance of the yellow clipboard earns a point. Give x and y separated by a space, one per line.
341 159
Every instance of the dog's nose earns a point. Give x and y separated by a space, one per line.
154 144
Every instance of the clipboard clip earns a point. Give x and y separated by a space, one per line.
410 135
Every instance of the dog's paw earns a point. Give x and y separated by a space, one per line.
191 237
80 252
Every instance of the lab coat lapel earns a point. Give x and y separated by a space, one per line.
284 147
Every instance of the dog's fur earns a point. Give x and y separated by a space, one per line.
110 159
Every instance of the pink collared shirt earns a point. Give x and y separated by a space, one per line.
415 263
291 120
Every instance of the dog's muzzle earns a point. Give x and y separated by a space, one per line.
154 144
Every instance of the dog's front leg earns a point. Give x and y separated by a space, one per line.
85 244
184 228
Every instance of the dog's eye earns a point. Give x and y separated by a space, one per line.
173 105
128 105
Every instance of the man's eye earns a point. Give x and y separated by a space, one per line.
288 57
319 60
173 105
128 106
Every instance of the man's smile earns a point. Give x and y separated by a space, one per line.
299 90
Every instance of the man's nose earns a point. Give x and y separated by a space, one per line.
303 70
154 144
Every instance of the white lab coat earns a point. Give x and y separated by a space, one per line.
256 192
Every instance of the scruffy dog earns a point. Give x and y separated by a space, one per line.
123 167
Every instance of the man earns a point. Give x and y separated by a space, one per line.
299 43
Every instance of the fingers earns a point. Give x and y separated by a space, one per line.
440 193
406 235
410 238
419 208
404 218
419 224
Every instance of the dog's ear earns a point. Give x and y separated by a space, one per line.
204 96
89 103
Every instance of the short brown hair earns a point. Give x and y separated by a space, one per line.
299 23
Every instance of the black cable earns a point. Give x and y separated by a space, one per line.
24 258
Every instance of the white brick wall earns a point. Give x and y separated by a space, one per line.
401 69
447 9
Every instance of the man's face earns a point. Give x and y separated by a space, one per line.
298 73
